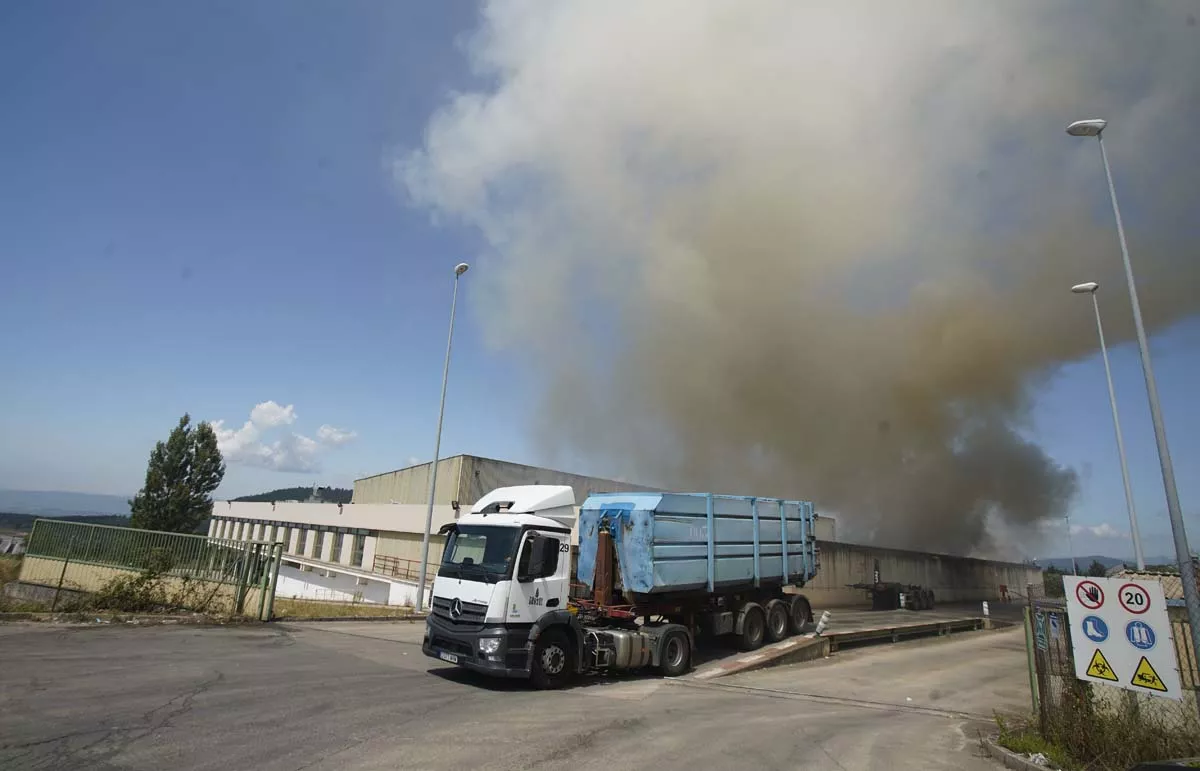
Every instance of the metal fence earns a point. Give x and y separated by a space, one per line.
398 567
1105 726
187 571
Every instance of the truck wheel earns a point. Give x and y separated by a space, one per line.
777 620
754 627
551 661
801 614
676 654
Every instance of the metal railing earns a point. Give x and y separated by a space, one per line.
398 567
89 557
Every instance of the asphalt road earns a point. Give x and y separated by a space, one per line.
361 696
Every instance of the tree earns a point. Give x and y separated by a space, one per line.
1097 569
1052 581
182 474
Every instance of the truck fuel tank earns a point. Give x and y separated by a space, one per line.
618 648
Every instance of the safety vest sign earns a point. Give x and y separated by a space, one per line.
1121 636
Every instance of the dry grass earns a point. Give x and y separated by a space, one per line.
285 608
10 568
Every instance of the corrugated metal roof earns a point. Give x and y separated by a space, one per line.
1171 582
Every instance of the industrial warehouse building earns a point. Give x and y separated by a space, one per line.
369 550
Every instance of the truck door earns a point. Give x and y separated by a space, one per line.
543 576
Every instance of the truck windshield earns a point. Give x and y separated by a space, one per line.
480 553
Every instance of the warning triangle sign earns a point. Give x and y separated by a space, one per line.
1145 677
1099 668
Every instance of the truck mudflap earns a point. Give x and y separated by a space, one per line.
508 656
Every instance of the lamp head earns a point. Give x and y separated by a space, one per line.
461 268
1087 288
1087 128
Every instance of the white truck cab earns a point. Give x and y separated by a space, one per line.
505 574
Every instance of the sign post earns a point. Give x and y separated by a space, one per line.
1122 636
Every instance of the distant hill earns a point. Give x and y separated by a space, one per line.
23 523
325 494
54 503
1064 563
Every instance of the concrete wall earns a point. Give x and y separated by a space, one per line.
411 485
953 579
467 478
380 516
407 546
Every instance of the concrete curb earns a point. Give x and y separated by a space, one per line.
792 651
103 618
308 619
1011 759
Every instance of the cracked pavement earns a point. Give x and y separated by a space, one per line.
351 695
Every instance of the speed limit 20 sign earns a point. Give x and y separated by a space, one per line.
1134 599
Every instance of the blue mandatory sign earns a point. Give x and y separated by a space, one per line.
1140 635
1095 629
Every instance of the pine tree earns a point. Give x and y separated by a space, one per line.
182 474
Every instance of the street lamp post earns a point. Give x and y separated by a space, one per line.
1090 288
1071 547
459 269
1187 573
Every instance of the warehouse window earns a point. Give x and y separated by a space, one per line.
338 539
301 541
356 557
318 543
285 535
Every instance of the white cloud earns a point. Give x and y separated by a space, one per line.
1103 530
269 414
334 437
250 445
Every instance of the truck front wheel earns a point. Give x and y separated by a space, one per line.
551 661
676 654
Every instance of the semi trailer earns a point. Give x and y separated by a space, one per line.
655 571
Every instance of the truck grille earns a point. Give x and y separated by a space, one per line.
471 617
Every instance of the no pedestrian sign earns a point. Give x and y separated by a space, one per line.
1120 635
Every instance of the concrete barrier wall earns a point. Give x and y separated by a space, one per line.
953 579
340 587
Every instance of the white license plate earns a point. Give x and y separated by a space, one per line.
448 657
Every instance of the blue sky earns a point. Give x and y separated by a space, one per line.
198 216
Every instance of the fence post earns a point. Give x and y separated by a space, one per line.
262 584
277 560
1039 665
1029 655
63 574
243 580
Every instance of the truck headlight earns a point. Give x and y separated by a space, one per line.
489 645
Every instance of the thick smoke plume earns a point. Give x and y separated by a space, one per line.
820 250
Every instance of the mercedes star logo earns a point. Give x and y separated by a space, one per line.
456 608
